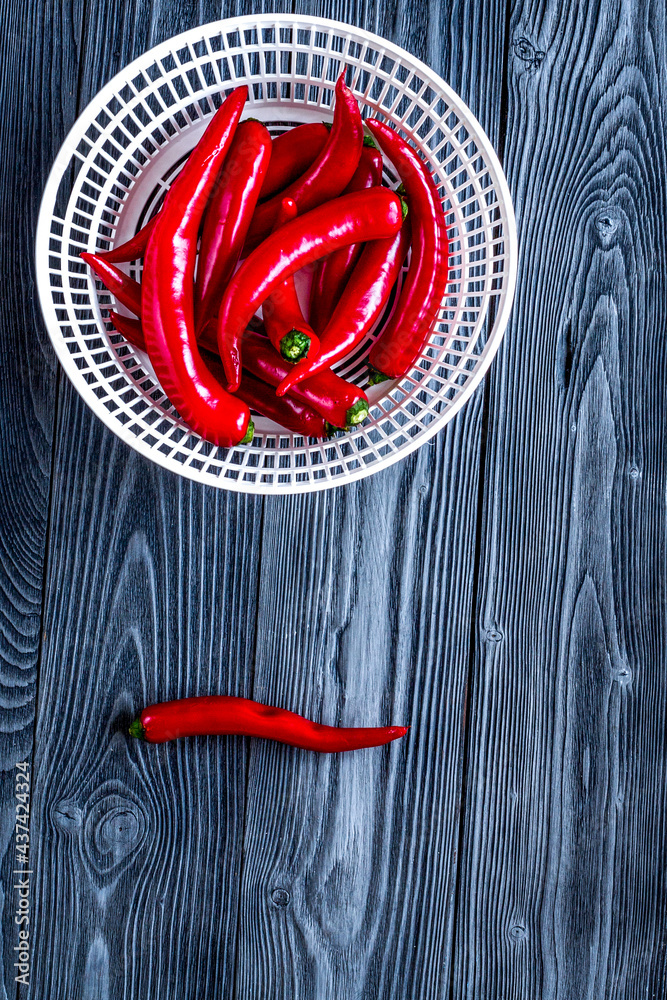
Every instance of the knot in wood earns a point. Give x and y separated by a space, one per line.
608 226
280 897
67 816
527 53
114 828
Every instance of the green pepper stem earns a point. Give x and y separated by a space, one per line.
249 434
294 346
137 730
375 377
357 413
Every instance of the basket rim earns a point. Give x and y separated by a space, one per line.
68 149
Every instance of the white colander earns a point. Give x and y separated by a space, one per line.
120 158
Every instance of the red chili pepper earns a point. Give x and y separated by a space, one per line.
130 328
220 715
339 402
360 305
167 306
285 325
123 288
332 272
329 174
228 216
354 218
292 153
295 416
132 249
409 326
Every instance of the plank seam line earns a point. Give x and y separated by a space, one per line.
249 751
57 415
42 611
477 569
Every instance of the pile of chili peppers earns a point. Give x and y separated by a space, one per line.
244 215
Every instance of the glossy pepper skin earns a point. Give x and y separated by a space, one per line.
332 272
284 322
341 403
289 412
123 288
411 322
167 302
220 715
292 153
228 216
132 249
296 413
330 173
354 218
130 328
360 305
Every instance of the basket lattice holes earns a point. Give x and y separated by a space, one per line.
126 150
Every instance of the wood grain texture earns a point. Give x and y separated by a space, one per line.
38 70
364 612
152 589
563 869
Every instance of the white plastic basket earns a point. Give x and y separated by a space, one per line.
121 156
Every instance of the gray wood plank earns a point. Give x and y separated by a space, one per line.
151 591
563 869
38 74
364 614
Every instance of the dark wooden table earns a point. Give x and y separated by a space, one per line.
503 590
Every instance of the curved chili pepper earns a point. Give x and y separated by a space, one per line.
295 416
292 153
130 328
167 305
333 272
410 324
329 174
290 413
354 218
360 305
228 216
341 403
305 412
123 288
285 325
132 249
221 715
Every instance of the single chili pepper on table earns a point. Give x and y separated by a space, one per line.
228 214
353 218
408 328
330 173
167 301
123 288
132 249
341 403
284 322
333 272
360 305
292 152
222 715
